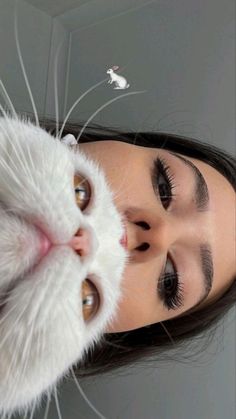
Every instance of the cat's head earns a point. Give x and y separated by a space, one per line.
49 314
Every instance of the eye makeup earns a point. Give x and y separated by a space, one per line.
170 290
164 190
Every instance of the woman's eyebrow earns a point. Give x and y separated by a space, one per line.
201 195
201 192
207 269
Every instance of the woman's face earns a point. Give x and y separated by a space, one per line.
165 235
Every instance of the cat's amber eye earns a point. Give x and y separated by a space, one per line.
82 191
90 300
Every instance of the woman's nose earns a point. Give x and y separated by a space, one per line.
150 239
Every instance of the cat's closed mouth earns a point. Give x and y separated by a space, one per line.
45 245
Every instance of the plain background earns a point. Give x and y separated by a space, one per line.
182 54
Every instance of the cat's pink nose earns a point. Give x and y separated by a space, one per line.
81 242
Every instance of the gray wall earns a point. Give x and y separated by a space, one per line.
182 53
39 36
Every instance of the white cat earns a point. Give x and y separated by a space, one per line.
49 315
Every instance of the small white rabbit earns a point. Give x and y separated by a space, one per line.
120 81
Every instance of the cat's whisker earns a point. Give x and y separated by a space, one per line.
13 363
30 165
11 210
42 344
32 413
63 179
57 404
72 371
27 166
46 413
117 191
104 106
27 346
162 324
40 350
168 333
125 175
76 103
25 356
8 299
22 63
14 324
7 294
76 381
142 298
115 345
56 87
65 309
5 112
19 155
85 397
9 100
114 16
15 191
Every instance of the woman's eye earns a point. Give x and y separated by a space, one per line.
170 289
164 191
82 191
90 300
164 182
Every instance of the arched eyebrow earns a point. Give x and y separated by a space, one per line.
201 198
201 193
207 269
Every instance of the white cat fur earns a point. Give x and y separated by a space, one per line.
42 331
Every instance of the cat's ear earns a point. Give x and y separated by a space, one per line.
69 139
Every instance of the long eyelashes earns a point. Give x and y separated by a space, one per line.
172 296
166 192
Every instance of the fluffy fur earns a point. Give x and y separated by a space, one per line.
42 331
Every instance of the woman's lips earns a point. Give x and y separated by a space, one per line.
123 240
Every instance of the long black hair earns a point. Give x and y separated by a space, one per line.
156 341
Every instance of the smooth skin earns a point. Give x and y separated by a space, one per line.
176 231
